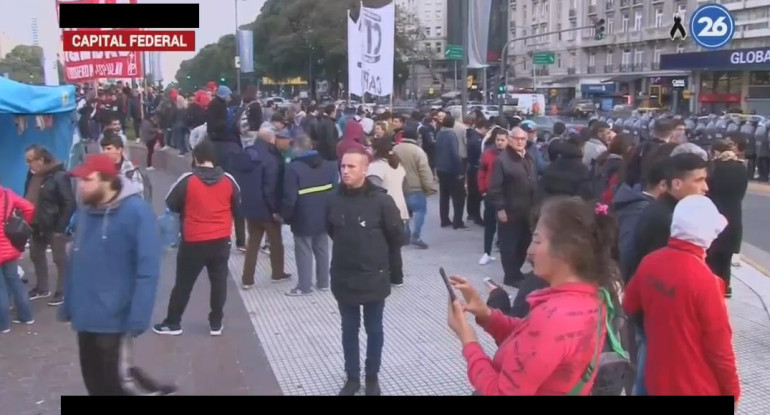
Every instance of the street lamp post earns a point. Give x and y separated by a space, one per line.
237 51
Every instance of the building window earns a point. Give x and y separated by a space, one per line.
656 54
438 14
680 48
626 58
428 48
438 47
558 60
624 24
610 29
544 29
573 4
438 31
658 17
592 60
759 78
544 9
558 29
571 33
571 63
638 21
682 10
608 60
427 31
638 57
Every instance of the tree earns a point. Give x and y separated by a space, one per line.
296 37
24 64
215 62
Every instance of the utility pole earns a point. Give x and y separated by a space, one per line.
237 50
463 81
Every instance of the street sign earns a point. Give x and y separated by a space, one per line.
712 26
453 52
544 58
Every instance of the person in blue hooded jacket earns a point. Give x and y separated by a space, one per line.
112 278
308 188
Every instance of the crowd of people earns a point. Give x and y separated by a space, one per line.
611 227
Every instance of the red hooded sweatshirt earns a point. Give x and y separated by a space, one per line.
689 338
545 353
7 252
353 137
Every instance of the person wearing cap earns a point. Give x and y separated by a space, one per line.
206 199
686 323
216 114
114 267
259 169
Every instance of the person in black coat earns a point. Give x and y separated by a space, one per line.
365 225
326 134
567 175
728 183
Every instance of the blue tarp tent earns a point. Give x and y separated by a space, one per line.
21 104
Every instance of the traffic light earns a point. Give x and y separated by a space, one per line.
599 29
501 89
222 79
188 76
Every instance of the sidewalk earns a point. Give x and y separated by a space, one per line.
301 336
39 363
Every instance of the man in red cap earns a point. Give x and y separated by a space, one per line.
113 276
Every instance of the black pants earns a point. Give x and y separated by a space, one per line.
190 261
240 232
107 367
763 167
490 227
474 196
396 266
720 264
751 165
515 237
451 187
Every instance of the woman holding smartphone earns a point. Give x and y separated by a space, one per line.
551 350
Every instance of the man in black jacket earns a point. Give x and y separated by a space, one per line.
327 134
686 176
475 137
49 188
365 225
512 194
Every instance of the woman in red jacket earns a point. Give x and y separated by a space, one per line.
11 286
497 141
689 339
550 351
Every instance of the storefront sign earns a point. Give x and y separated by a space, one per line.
736 59
704 97
679 82
597 88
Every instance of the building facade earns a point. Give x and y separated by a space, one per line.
625 66
426 23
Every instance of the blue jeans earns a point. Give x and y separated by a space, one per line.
11 287
417 203
179 139
640 389
375 337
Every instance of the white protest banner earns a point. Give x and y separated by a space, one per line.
377 34
354 58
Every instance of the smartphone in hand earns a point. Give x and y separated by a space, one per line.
492 283
449 288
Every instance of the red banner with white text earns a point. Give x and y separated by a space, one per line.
86 66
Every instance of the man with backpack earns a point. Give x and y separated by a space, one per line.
112 146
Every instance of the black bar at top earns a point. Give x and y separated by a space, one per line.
129 16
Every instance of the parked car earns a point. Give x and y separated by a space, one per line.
583 108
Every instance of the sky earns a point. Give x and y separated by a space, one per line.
217 18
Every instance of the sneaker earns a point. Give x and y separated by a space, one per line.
151 168
350 388
296 292
167 329
56 300
372 387
265 248
247 287
9 330
241 248
323 289
486 259
284 277
24 322
35 294
729 292
399 285
420 244
216 330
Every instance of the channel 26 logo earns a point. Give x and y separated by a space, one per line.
711 26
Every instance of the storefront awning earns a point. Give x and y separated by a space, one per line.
623 78
564 80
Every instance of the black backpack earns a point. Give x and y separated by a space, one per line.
16 229
614 366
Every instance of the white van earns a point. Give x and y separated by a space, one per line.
528 104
